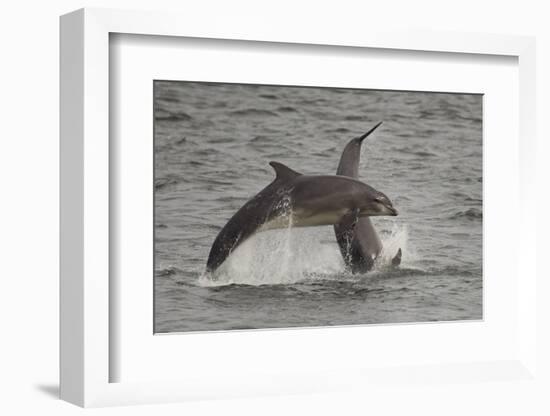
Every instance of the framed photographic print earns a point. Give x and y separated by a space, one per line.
266 212
301 253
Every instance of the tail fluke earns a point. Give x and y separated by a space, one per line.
369 132
396 261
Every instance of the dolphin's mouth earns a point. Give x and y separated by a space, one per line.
393 211
384 210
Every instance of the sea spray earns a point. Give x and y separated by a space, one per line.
397 238
280 256
291 255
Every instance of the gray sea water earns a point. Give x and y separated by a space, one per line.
213 143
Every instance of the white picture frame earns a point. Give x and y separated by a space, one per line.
86 303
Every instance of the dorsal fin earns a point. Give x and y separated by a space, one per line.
283 172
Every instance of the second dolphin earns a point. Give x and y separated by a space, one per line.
357 238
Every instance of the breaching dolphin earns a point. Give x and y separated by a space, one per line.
357 238
297 200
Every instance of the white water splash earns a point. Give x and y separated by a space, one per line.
292 254
398 238
278 257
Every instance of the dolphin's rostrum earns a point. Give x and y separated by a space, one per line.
301 201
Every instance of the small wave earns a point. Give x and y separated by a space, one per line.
180 140
394 273
455 271
415 152
163 115
471 213
253 112
269 96
261 138
424 154
287 110
356 118
221 140
169 99
167 271
426 115
161 183
342 130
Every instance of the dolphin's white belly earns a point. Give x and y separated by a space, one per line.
317 218
304 219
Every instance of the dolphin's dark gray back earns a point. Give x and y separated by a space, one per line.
357 238
251 216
